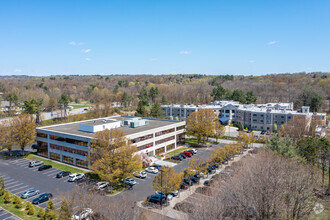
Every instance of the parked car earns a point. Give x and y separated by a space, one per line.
42 198
29 193
35 163
188 182
83 214
267 132
175 193
141 175
249 131
263 132
186 153
102 185
195 179
76 176
183 156
184 185
63 174
193 151
158 199
44 167
208 182
169 196
152 170
177 157
158 167
128 181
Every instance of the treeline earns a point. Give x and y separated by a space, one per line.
301 88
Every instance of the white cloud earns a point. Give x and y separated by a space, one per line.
185 52
252 61
153 59
88 59
73 43
272 42
17 70
86 50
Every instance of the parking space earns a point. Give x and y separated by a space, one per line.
5 215
19 177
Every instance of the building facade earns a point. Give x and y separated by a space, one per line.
70 142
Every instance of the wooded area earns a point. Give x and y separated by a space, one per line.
54 92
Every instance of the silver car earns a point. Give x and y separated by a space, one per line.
29 193
35 163
141 174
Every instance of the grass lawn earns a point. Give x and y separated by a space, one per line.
21 212
117 190
55 164
75 106
192 141
177 151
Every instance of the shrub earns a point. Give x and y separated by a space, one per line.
7 197
2 186
41 213
18 202
30 209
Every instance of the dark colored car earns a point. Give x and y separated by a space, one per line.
184 185
44 167
186 153
263 132
211 169
249 131
63 174
208 182
42 198
188 182
195 178
158 199
158 167
177 157
183 156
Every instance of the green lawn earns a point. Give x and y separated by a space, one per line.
55 164
192 141
75 106
22 213
177 151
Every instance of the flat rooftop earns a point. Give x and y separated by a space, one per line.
73 127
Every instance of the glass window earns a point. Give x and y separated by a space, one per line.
164 132
69 140
68 160
42 135
42 148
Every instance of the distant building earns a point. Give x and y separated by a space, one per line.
253 116
70 142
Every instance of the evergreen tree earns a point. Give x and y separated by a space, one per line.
33 106
41 213
17 201
143 97
7 197
238 95
250 98
50 211
2 186
156 111
218 93
153 93
141 110
164 101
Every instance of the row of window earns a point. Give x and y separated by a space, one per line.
164 132
143 138
70 150
42 135
69 140
165 140
145 146
42 148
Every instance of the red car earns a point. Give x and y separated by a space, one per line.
184 185
187 153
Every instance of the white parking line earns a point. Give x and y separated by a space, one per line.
10 182
8 217
20 188
6 178
19 162
50 171
14 185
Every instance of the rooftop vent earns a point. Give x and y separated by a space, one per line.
136 122
99 125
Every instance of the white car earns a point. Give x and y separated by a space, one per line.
194 150
152 170
83 214
141 174
35 163
75 176
102 185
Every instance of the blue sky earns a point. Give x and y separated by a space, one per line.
164 37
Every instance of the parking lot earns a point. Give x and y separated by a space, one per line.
18 177
5 215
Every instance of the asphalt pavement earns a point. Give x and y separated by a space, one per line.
5 215
18 177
